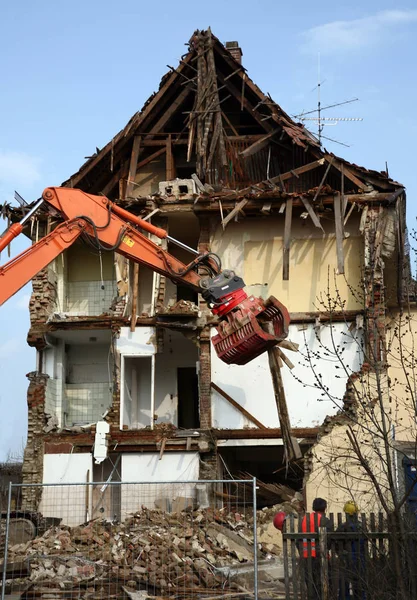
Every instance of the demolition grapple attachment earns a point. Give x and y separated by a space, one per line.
248 326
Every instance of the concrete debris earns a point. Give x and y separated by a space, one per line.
151 549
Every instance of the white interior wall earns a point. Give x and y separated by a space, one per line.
146 467
138 344
61 501
137 388
252 386
53 364
178 352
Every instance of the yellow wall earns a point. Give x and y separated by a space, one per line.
402 372
253 249
337 476
84 264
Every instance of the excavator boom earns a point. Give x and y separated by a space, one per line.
244 328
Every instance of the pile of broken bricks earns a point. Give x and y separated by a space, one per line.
166 554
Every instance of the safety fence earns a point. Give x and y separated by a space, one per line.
131 540
361 558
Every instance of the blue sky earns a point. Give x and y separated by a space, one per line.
73 73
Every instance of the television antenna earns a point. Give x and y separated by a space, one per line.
321 121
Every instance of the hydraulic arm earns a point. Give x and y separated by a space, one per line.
244 330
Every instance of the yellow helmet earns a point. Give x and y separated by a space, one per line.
350 508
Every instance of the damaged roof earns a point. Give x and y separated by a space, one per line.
209 70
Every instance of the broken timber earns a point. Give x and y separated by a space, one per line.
240 408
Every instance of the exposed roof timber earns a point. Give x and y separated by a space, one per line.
259 144
134 122
256 103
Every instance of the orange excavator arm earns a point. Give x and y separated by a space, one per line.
242 326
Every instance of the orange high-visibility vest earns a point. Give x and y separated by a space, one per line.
314 518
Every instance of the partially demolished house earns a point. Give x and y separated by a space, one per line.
127 385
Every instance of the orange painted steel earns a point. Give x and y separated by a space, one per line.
241 331
18 271
13 231
82 211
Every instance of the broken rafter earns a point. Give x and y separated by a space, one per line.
125 134
133 165
338 219
151 157
170 169
287 241
237 405
163 120
259 144
246 104
310 210
346 171
237 209
289 174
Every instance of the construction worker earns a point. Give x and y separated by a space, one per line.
352 556
310 551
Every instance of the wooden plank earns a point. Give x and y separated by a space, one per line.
293 173
170 169
163 120
234 212
226 118
323 179
287 241
112 182
150 158
339 233
349 213
311 212
292 449
237 405
135 292
124 135
324 563
133 166
244 102
346 171
259 144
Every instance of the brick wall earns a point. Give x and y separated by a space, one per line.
44 296
32 471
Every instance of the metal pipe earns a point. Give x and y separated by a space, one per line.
6 542
183 246
255 544
32 211
182 481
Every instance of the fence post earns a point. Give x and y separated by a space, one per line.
324 565
6 542
255 544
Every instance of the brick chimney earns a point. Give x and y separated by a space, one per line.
235 51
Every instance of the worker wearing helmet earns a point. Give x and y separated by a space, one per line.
310 550
351 553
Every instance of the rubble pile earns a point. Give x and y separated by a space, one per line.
151 549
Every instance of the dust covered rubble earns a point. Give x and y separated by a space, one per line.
150 548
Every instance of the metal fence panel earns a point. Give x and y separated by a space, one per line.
133 540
